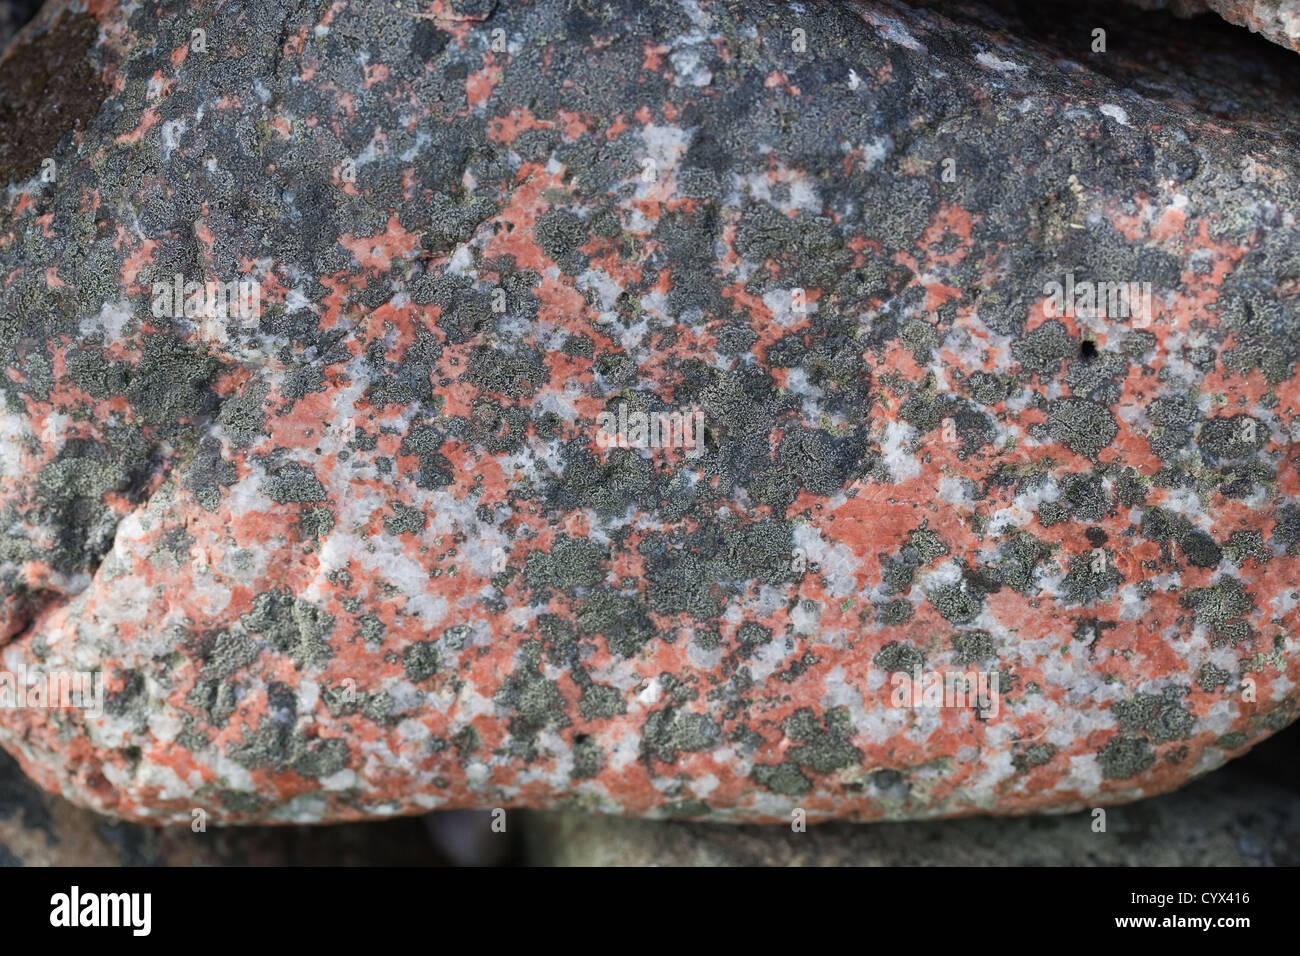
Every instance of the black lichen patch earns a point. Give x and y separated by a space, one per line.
972 646
1085 497
588 758
1160 716
172 383
131 701
1246 544
621 619
1090 580
600 701
497 427
1018 560
316 522
242 418
405 520
679 579
1231 439
783 778
1173 418
960 602
673 730
533 702
1083 426
293 626
515 374
897 611
898 657
207 473
1211 678
72 489
217 699
1045 348
275 743
1201 549
420 661
1287 529
47 88
232 652
1219 609
1125 757
825 748
1231 741
560 233
294 483
1035 755
435 470
571 563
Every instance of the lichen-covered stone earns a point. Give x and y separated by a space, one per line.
364 552
40 829
1231 818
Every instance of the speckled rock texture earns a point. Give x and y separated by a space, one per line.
366 550
40 829
1278 20
1216 821
1246 814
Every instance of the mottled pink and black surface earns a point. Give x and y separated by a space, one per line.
363 556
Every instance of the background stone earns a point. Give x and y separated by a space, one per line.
1278 20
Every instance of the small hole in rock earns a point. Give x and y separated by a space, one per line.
1088 350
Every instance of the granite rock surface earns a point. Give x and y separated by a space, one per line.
39 829
1245 814
390 535
1213 822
